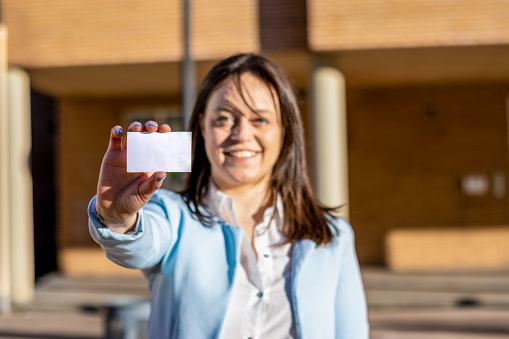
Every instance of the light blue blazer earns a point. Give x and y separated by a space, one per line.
191 269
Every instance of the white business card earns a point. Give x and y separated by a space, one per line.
154 152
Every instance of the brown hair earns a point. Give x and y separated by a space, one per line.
304 216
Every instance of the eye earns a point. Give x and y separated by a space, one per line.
260 121
223 119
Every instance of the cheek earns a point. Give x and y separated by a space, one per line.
273 142
217 138
213 140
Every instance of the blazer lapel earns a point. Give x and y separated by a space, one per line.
301 252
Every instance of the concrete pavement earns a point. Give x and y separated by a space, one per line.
401 306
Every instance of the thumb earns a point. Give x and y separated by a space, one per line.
148 187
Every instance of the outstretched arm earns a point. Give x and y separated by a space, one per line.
120 207
120 195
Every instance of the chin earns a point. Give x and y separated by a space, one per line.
240 177
245 180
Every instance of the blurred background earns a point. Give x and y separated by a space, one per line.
405 105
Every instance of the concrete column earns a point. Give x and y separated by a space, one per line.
5 280
21 201
330 138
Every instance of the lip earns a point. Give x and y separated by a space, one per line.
241 154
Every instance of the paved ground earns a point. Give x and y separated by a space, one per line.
52 326
401 306
478 323
447 323
437 305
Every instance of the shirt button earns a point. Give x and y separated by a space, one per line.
259 294
266 255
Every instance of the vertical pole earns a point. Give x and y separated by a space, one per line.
507 136
188 71
330 147
20 195
5 276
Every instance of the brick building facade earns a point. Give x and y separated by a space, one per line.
427 85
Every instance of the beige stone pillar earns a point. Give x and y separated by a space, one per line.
21 202
5 280
330 138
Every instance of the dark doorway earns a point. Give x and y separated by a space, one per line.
43 164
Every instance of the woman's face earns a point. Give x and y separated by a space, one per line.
242 146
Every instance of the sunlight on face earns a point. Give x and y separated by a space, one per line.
242 140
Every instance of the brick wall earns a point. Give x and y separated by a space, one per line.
354 24
91 32
224 27
409 148
83 127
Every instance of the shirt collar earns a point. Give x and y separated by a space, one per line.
221 205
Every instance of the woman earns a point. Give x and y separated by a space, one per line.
245 251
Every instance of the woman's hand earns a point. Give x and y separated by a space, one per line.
120 195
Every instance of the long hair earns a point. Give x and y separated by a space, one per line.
304 216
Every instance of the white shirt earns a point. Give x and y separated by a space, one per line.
260 306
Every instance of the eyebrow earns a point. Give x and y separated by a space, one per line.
263 111
226 108
233 110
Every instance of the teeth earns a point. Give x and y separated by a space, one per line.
242 154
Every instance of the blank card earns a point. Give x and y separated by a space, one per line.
154 152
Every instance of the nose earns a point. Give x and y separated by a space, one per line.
242 130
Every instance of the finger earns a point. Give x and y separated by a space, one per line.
150 126
148 187
135 127
116 138
164 128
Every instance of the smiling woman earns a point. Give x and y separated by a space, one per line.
242 137
245 250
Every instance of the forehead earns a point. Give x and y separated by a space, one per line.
249 90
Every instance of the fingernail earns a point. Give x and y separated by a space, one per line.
165 125
151 124
118 131
161 179
137 125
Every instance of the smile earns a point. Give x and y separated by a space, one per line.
241 154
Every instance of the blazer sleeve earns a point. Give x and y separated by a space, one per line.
144 248
350 305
